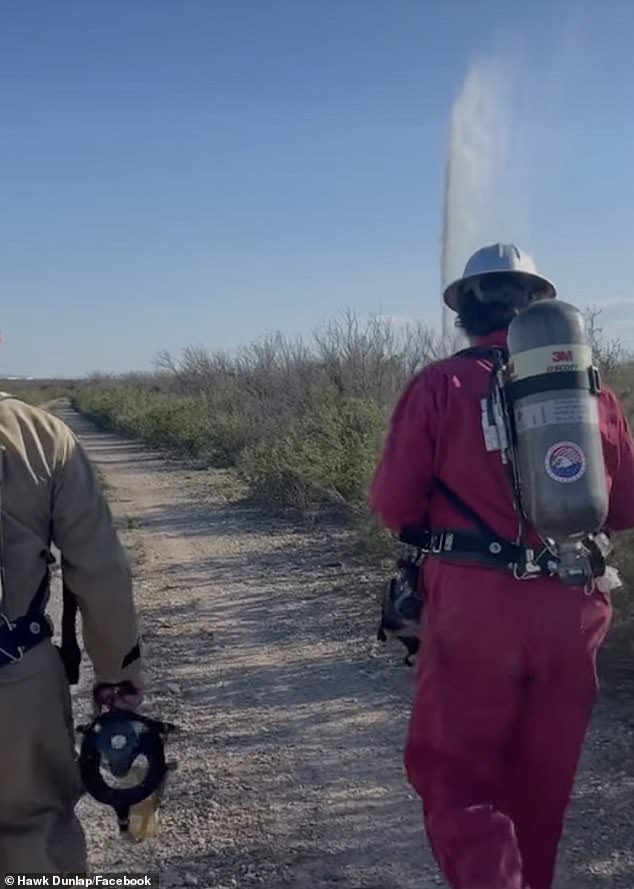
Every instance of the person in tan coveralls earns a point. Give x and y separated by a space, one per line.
50 494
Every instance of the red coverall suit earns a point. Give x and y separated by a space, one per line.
506 674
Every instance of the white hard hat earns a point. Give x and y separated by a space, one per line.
494 259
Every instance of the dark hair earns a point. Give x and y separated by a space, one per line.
478 319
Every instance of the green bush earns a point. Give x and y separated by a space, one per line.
302 421
166 421
37 392
325 456
189 425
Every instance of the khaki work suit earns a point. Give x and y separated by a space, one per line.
50 494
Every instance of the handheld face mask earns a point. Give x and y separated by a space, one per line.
122 761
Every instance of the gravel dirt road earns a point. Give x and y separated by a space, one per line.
290 771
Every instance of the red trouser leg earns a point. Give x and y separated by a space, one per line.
474 842
555 718
537 791
468 700
495 780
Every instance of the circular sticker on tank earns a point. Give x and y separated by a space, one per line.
565 462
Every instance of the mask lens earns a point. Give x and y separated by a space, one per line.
510 290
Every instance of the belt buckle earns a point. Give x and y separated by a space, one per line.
436 548
13 658
18 652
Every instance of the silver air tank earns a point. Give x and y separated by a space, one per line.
553 399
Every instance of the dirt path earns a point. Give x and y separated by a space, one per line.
290 769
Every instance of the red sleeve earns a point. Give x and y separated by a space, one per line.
400 489
621 511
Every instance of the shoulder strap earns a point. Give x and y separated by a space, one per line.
463 507
495 353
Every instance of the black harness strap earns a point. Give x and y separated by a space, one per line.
464 508
69 649
19 636
485 547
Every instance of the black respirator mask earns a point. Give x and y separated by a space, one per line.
122 760
505 288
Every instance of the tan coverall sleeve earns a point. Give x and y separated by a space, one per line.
95 565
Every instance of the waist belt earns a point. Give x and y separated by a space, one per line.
490 552
19 636
485 548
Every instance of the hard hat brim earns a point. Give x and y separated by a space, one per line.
451 294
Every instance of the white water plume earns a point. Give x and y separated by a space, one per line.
484 199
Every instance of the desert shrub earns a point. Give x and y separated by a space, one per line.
38 392
173 422
324 457
287 411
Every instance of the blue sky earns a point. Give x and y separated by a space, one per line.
205 171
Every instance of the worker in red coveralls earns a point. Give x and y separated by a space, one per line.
506 674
